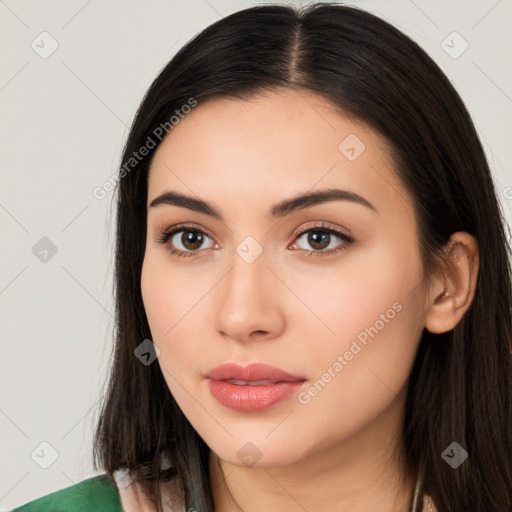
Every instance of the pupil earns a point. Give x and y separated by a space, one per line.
189 242
314 237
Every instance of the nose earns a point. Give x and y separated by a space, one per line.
249 301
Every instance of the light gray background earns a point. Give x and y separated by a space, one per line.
64 121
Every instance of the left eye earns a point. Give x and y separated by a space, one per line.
321 240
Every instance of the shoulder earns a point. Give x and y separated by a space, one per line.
134 498
96 494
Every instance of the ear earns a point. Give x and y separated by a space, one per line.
453 291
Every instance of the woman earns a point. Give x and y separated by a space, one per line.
312 281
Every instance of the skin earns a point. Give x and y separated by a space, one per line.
290 310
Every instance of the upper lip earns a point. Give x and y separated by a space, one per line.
251 372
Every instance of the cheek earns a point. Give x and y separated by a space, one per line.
168 292
174 302
368 312
368 288
157 296
166 303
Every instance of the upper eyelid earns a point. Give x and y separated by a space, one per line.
323 225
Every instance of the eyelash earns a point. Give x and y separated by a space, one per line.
320 228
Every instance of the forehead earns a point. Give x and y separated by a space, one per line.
271 146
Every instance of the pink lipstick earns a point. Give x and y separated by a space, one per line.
251 388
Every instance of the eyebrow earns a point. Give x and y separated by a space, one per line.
278 210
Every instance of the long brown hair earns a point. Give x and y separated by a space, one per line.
460 385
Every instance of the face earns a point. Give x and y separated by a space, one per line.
328 290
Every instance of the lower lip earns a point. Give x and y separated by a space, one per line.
252 398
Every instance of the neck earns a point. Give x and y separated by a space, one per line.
360 474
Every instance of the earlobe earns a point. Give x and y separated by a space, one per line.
453 292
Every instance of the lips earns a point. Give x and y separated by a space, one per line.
253 374
252 388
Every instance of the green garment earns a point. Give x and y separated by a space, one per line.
96 494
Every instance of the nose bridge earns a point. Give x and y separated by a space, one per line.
248 301
246 281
